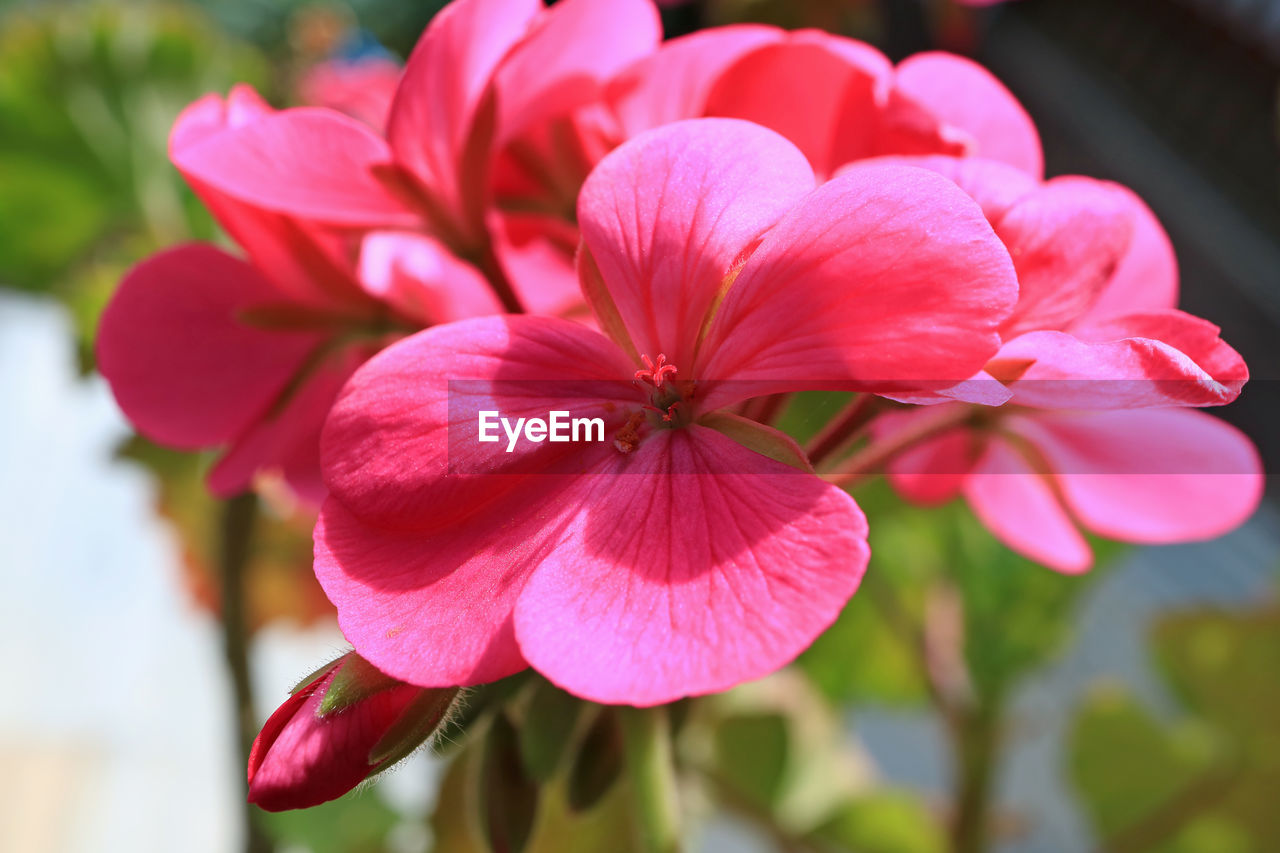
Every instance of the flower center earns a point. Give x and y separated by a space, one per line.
655 372
668 403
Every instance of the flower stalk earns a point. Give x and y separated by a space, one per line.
646 735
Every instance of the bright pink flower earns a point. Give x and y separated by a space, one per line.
1033 477
679 555
1095 326
841 100
203 349
485 75
361 88
345 725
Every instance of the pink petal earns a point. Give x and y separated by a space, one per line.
307 162
776 86
1154 476
965 96
286 440
695 566
183 367
1160 359
419 277
1020 508
418 400
1147 277
362 88
434 111
212 114
569 56
536 252
665 216
995 186
886 278
935 470
1065 238
673 83
434 609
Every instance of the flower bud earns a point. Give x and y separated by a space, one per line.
344 723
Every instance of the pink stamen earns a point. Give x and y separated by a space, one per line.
655 373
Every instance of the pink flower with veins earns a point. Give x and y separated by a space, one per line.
1095 333
203 349
685 553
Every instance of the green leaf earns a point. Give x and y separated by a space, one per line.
752 752
597 763
359 822
883 822
548 721
508 801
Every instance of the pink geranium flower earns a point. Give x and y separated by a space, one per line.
864 106
362 88
684 553
1094 329
203 349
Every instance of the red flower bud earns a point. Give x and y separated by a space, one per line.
345 723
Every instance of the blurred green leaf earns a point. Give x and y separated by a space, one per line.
548 721
1207 781
359 822
883 822
508 799
597 763
752 752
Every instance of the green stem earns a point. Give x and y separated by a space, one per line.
646 734
975 738
873 458
238 516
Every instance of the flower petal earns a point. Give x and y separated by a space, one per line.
673 83
887 278
1147 277
306 162
1152 476
1166 358
774 86
696 565
434 109
965 96
568 58
401 447
1066 239
286 439
1020 508
182 366
419 277
665 216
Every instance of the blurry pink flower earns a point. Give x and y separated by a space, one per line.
362 88
682 554
203 349
344 725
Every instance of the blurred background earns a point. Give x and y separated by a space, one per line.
1136 709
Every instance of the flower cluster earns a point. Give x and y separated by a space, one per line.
554 210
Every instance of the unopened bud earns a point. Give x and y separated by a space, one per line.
343 724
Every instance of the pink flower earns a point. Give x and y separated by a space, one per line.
1094 329
841 100
203 349
1095 326
347 723
682 554
485 74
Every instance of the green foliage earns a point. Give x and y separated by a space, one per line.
356 823
88 92
885 821
1208 780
